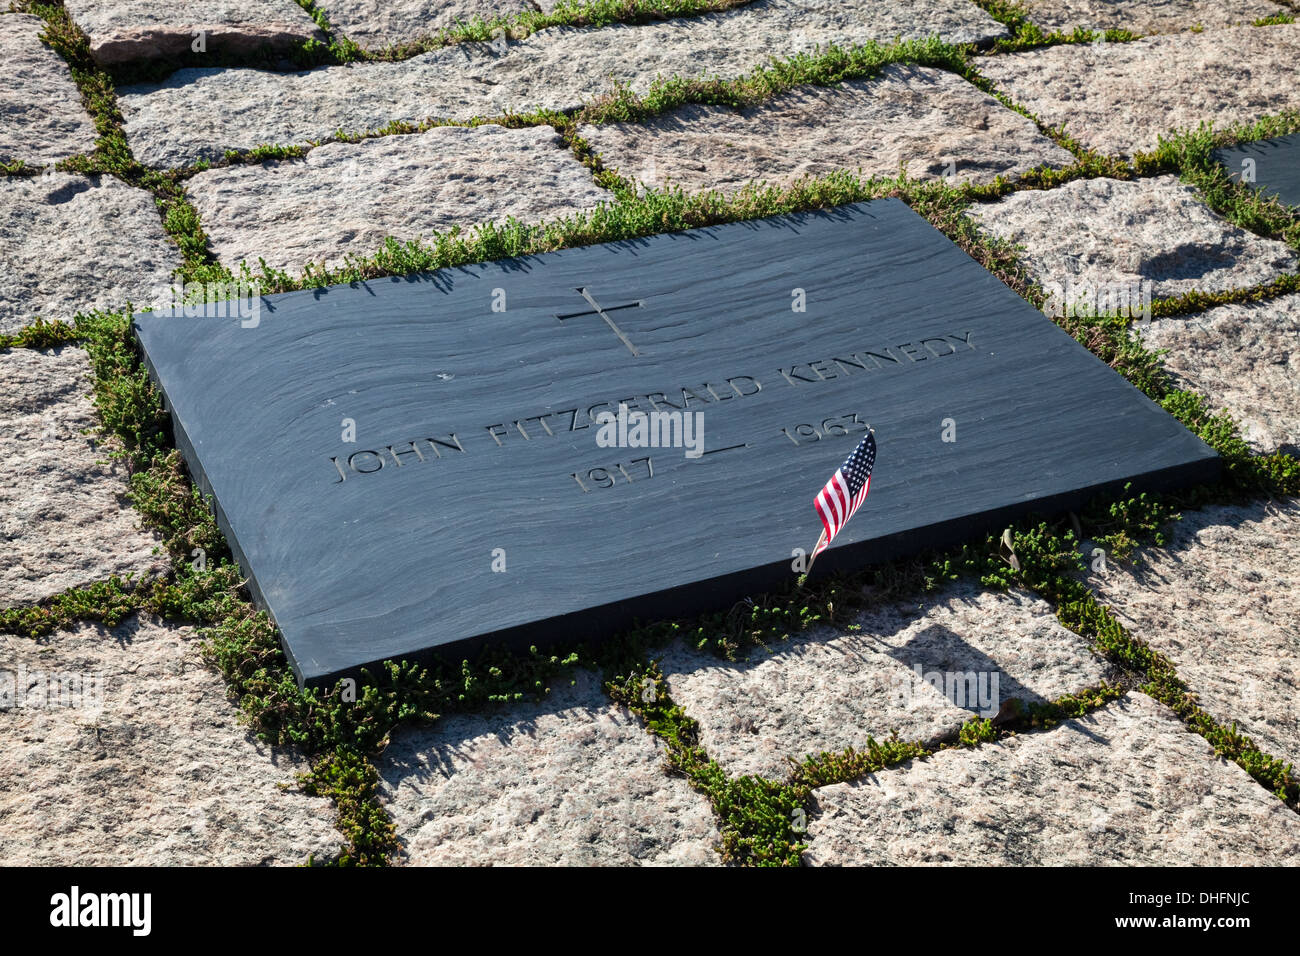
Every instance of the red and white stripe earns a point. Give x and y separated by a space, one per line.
835 508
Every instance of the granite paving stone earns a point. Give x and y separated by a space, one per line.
932 121
1147 16
132 30
573 780
828 690
41 117
64 517
344 198
1222 601
72 244
119 748
1127 785
1245 359
376 24
1153 236
1119 98
559 68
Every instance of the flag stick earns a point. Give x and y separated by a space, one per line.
814 552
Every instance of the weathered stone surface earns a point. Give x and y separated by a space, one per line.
345 198
375 24
158 774
911 115
1222 602
574 780
1147 16
64 519
825 691
559 68
71 244
1119 97
156 29
1126 785
1245 359
1093 234
41 116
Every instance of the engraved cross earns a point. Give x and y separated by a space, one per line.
604 314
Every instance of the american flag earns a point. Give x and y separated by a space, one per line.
845 492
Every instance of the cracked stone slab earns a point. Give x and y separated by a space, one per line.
559 68
1245 359
64 517
573 780
1147 16
924 118
71 244
41 117
1099 235
376 24
1119 97
138 759
345 198
127 30
1222 601
1127 785
899 670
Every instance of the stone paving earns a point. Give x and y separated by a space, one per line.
826 691
1245 359
1125 786
41 119
922 119
347 197
128 31
1154 231
1113 98
150 767
157 769
71 243
65 521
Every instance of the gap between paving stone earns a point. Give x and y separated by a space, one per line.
1222 601
931 120
1117 98
1245 359
347 197
76 243
828 690
572 780
1153 236
65 520
560 68
159 774
41 117
127 30
1126 785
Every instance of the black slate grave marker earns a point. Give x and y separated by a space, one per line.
1271 165
476 430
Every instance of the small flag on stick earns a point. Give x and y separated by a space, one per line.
844 493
